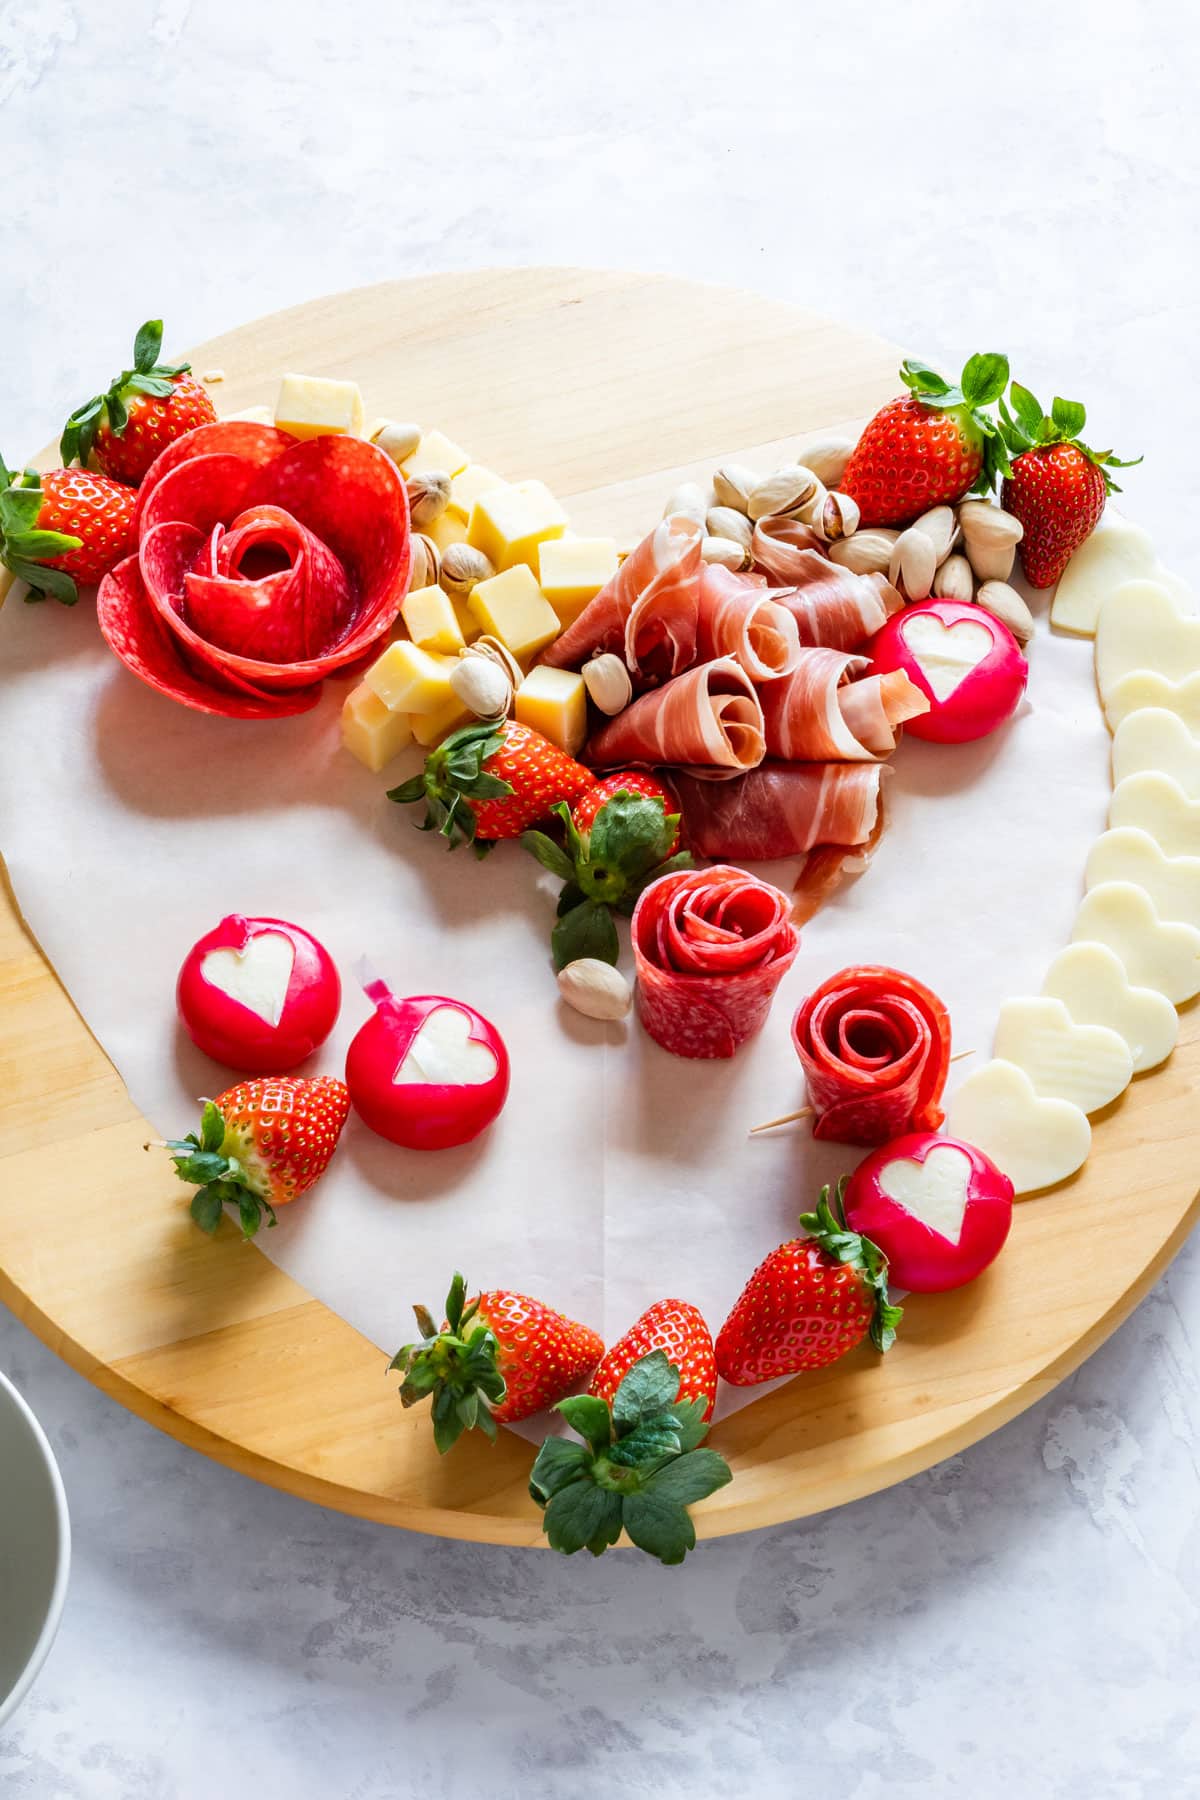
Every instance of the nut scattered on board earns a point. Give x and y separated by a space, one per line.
783 494
426 562
595 988
213 375
725 551
826 457
607 681
989 538
482 684
1004 603
463 566
941 527
428 496
838 517
954 580
867 552
913 564
727 522
733 484
396 441
688 500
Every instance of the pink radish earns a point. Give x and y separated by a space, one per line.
426 1071
968 663
258 994
938 1208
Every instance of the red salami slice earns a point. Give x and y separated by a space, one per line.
874 1045
819 714
740 617
711 946
708 717
647 613
781 809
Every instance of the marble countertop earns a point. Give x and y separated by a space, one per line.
1021 1619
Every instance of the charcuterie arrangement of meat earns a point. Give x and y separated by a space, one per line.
643 721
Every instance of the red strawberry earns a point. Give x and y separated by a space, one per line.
930 446
678 1328
63 527
1056 486
625 781
260 1145
492 780
808 1302
498 1358
146 408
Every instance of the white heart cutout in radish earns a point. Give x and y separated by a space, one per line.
946 654
443 1053
257 977
933 1191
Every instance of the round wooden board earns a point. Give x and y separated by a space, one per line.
610 387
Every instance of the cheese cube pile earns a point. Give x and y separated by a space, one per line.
313 405
509 523
571 571
512 607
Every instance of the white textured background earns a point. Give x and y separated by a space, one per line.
1021 1621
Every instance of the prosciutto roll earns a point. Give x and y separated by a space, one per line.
874 1045
818 714
710 946
832 606
647 613
780 809
707 718
740 617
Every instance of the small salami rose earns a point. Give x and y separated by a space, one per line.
939 1209
426 1071
966 662
258 994
874 1045
711 946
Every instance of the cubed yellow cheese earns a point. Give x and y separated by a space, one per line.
447 529
467 486
411 680
370 731
436 451
511 606
571 571
508 523
313 405
431 728
254 415
430 618
554 702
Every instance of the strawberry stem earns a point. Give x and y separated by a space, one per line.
1026 427
828 1229
457 1367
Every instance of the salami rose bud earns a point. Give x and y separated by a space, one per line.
258 994
939 1209
963 659
874 1045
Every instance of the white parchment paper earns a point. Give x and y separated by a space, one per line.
617 1174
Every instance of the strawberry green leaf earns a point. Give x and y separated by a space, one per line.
690 1477
206 1209
250 1214
984 379
1069 416
548 853
587 930
408 791
921 378
650 1386
569 899
581 1514
827 1227
42 581
590 1417
1027 407
212 1126
650 1442
19 509
558 1463
659 1527
456 1299
118 412
690 1422
147 344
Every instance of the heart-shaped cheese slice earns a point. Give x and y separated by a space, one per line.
1153 738
933 1191
1116 552
1089 1065
1156 803
1091 982
1035 1142
257 977
1142 626
1156 955
444 1054
1129 854
1142 689
946 654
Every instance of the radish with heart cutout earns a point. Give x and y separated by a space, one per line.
258 995
939 1209
967 663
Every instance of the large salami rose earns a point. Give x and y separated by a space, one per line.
262 565
874 1045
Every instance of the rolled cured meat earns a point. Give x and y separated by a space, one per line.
819 714
647 613
874 1045
781 809
740 617
832 606
708 717
710 946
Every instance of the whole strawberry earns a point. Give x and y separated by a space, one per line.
260 1145
932 445
146 408
498 1358
1056 485
62 527
492 780
808 1302
623 781
677 1328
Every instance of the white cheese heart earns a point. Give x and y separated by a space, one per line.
257 977
1089 1065
1036 1142
945 654
1116 552
1142 626
443 1053
1165 957
1172 882
1156 803
933 1191
1091 982
1142 689
1154 738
